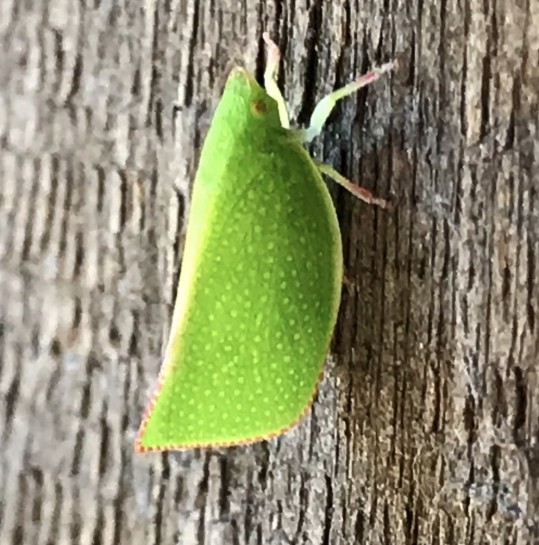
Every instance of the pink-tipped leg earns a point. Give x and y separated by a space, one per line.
359 192
325 106
270 82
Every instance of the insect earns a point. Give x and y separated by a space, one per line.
261 276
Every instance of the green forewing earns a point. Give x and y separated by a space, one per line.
259 287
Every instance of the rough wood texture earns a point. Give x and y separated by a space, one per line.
426 429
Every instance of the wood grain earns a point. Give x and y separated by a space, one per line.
426 429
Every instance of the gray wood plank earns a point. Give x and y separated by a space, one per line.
426 428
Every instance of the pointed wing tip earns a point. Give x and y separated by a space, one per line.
139 448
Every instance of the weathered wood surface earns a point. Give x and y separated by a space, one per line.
427 426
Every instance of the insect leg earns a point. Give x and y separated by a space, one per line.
326 104
270 83
356 190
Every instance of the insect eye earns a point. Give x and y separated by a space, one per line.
259 107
